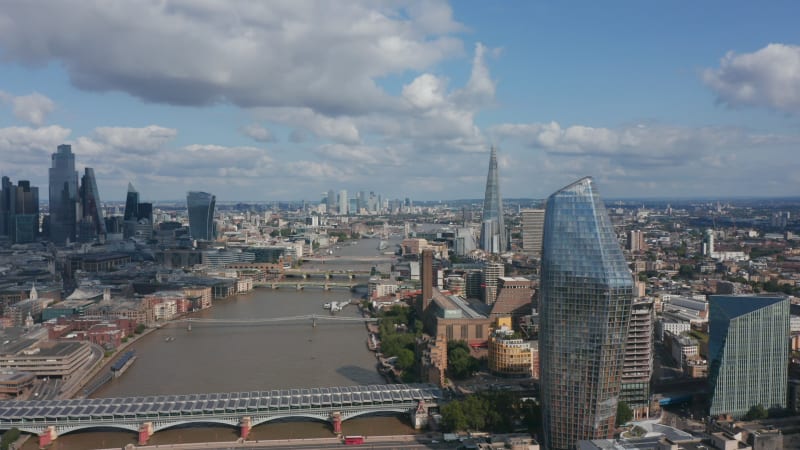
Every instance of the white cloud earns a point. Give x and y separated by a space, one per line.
338 129
32 108
258 133
768 77
305 54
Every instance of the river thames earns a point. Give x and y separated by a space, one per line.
229 358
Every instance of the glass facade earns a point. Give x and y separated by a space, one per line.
748 351
586 297
63 195
90 202
201 215
493 234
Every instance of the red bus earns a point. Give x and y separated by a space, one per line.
353 440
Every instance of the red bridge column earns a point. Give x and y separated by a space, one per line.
145 431
336 420
47 437
244 427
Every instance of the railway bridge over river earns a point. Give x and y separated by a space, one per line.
149 414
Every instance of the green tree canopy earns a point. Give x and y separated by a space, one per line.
624 413
756 412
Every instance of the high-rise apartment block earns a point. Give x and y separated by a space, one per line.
344 203
493 231
532 229
201 215
63 196
637 367
748 350
491 274
635 241
19 211
586 297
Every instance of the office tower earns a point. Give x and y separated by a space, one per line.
426 275
332 206
362 201
708 243
19 211
131 204
586 296
201 215
748 350
493 234
637 367
92 218
532 228
343 202
63 195
635 242
491 273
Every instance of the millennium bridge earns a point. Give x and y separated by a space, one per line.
149 414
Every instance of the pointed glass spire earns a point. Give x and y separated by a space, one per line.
493 230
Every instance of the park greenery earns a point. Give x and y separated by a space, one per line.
398 339
756 412
492 411
460 363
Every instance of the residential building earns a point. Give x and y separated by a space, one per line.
532 229
637 367
586 297
491 274
509 356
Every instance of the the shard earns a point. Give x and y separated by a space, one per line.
493 230
586 297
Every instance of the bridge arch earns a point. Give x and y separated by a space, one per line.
259 420
375 412
204 421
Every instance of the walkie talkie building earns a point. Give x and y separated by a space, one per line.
586 298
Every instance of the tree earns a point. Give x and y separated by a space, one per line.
9 437
624 413
756 412
140 328
405 359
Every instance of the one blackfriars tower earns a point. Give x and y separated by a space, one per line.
493 230
586 298
201 215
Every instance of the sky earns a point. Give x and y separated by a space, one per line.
284 100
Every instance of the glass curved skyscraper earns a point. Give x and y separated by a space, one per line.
201 215
586 297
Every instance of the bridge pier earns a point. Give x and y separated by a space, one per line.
336 421
145 431
47 437
299 287
274 286
327 287
244 427
419 416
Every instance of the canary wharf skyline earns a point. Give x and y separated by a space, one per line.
286 100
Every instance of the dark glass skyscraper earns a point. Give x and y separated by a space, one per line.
90 203
493 229
63 195
131 204
19 211
586 297
201 215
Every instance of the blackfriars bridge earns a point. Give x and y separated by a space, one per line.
149 414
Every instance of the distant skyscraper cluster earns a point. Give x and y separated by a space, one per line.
586 298
75 212
341 203
493 231
201 215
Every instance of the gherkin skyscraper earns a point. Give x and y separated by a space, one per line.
493 230
586 297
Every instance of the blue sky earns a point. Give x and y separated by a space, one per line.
284 100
